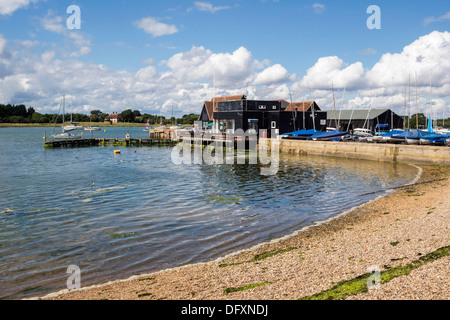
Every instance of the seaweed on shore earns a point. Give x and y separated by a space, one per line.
359 284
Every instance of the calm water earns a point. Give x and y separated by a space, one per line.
119 215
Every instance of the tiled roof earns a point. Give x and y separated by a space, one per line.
216 100
301 106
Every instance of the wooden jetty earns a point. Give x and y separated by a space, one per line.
156 138
100 142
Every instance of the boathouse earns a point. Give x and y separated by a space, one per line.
347 120
237 112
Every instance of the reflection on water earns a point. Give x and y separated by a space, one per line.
115 216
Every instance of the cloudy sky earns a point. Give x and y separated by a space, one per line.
159 56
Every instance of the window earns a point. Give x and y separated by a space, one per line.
274 124
274 107
261 107
226 126
253 125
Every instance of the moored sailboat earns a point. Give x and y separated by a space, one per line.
65 134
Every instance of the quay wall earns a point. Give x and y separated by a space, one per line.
415 154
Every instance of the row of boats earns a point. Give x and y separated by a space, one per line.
382 134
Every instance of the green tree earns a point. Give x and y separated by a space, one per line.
128 115
38 118
420 118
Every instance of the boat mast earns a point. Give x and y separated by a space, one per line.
409 104
64 111
351 115
417 107
340 110
431 106
304 126
294 114
404 110
334 107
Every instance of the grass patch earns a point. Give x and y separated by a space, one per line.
359 285
258 257
224 200
123 235
247 287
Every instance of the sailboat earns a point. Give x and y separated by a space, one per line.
432 137
362 134
72 126
65 135
328 136
91 128
148 127
301 134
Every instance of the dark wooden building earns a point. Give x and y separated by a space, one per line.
352 119
236 112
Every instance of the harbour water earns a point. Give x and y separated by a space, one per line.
136 212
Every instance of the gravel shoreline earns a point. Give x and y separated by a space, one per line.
391 231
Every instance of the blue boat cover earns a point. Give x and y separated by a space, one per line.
302 133
417 134
403 135
330 134
433 136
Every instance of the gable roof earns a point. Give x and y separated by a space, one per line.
302 106
209 109
213 105
216 100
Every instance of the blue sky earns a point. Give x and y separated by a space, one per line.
155 55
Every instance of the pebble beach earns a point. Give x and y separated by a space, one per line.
392 231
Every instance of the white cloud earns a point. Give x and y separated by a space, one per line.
4 52
186 79
329 71
53 23
229 69
81 52
429 20
429 56
155 28
207 6
274 74
318 8
8 7
78 44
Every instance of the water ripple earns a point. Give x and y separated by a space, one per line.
115 216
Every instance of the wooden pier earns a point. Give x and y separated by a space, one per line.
156 138
101 142
144 142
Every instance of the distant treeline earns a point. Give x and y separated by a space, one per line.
421 120
21 114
